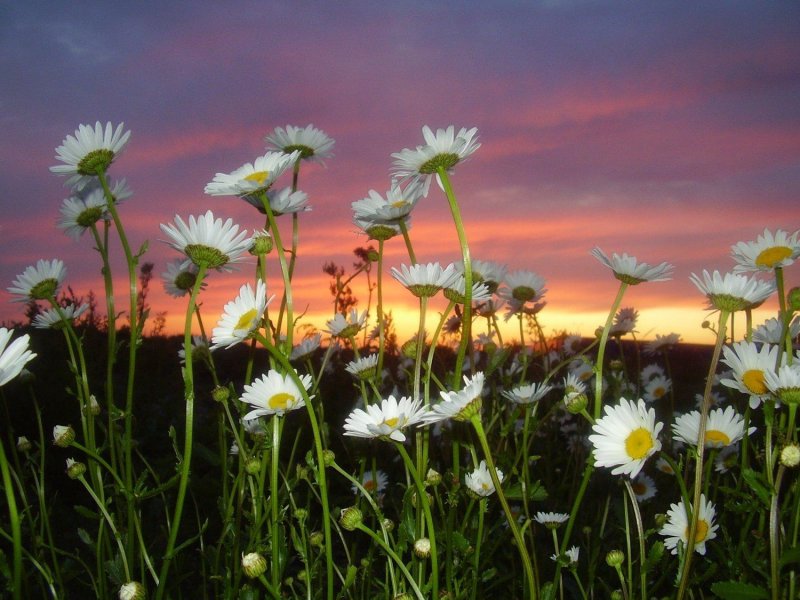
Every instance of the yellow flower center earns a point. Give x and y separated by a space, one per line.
258 177
772 257
281 401
391 422
639 488
658 392
398 203
370 485
701 532
717 438
753 380
638 443
484 486
246 320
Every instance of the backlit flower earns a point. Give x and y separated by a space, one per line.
281 202
392 208
274 394
768 252
252 178
347 325
456 290
242 316
624 322
425 280
723 428
206 241
89 152
732 292
386 421
180 277
628 270
364 367
489 273
51 319
39 282
750 364
80 213
676 528
662 343
460 405
523 286
625 437
14 356
528 393
480 481
310 143
771 331
306 347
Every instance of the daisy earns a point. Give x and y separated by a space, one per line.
180 277
14 356
768 252
51 319
252 178
582 371
347 326
393 208
650 372
771 331
571 344
571 556
80 213
677 527
726 458
374 482
311 143
528 394
242 316
442 150
662 343
732 292
206 241
664 466
491 274
750 364
363 368
785 384
523 286
723 428
628 270
282 202
274 394
306 347
658 387
455 291
199 349
624 321
89 152
386 421
480 481
489 308
425 280
625 437
460 405
573 387
551 520
643 487
39 282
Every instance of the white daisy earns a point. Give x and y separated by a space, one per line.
726 458
50 319
306 347
489 308
662 343
771 331
658 387
80 213
14 356
628 270
89 152
527 394
676 528
252 178
768 252
625 437
480 481
523 286
311 143
664 466
650 372
571 556
347 326
207 241
392 208
281 202
723 428
624 322
180 277
241 316
442 150
425 280
551 520
750 364
374 482
39 282
732 292
386 421
573 387
489 273
274 394
456 289
643 487
785 384
378 230
460 405
199 349
364 367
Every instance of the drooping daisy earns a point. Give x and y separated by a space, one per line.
442 150
676 529
768 252
241 316
785 384
39 282
625 437
51 319
274 394
527 394
347 326
425 280
364 367
662 343
311 143
206 241
306 347
281 202
460 405
14 356
750 364
252 178
628 270
392 208
723 428
374 482
386 421
523 286
643 487
771 331
551 520
658 387
180 277
89 152
732 292
480 481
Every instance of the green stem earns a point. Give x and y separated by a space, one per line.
640 531
16 529
386 548
601 351
287 281
273 493
110 521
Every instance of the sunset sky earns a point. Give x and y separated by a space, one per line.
667 130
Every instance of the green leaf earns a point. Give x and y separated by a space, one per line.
84 535
759 485
350 579
85 512
536 492
654 556
735 590
790 555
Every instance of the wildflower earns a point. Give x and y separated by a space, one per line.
658 387
311 143
662 343
628 270
460 405
79 212
643 487
790 455
377 230
425 280
206 241
769 251
13 357
386 421
570 557
528 394
664 466
364 367
480 480
350 518
75 469
262 243
523 286
180 277
422 548
749 365
723 428
274 394
51 319
252 178
573 386
132 590
24 444
89 152
306 347
374 482
39 282
242 316
344 326
732 292
726 458
282 202
63 436
253 564
491 274
677 527
615 558
624 322
551 520
625 437
200 350
456 291
771 331
650 372
785 384
442 150
394 208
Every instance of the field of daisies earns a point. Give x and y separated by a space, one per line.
261 459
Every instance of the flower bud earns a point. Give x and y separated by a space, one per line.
433 478
133 590
403 596
262 244
615 558
92 407
422 548
615 365
63 436
328 458
575 403
350 518
302 575
617 595
790 455
252 466
75 469
220 394
24 444
316 539
301 514
793 298
388 525
253 564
